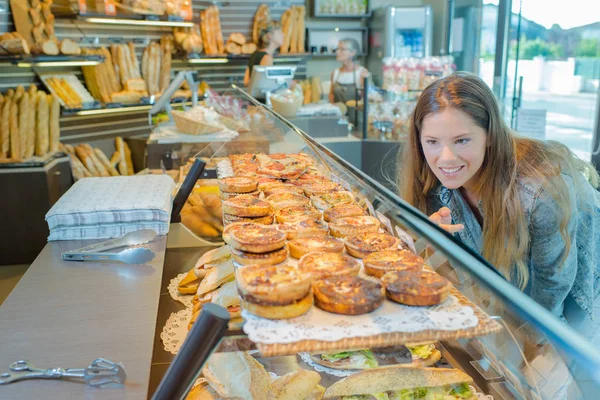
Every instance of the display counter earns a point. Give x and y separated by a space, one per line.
492 337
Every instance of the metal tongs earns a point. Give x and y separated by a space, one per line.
136 255
100 372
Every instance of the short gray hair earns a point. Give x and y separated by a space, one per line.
352 44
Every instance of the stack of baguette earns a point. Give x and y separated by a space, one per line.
87 161
292 24
210 26
29 124
102 79
127 67
156 65
14 43
69 89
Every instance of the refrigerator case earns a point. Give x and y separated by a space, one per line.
516 350
399 32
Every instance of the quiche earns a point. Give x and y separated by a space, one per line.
304 228
379 263
350 226
273 188
342 211
416 288
363 244
320 187
348 295
322 265
231 195
270 258
230 219
326 200
281 200
303 245
296 214
257 239
247 206
280 166
238 184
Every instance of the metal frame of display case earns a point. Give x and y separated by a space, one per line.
566 339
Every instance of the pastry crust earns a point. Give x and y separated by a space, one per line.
363 244
326 200
233 227
301 246
278 187
416 288
272 284
270 258
246 206
231 195
292 310
348 295
305 228
351 226
379 263
286 199
238 184
321 187
321 265
342 211
281 166
257 239
230 219
296 214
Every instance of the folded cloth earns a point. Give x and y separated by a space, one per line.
113 200
106 231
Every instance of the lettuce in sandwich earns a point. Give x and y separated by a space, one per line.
362 359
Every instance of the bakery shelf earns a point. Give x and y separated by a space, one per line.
132 19
116 108
226 58
47 61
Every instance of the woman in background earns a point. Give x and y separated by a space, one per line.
270 39
346 81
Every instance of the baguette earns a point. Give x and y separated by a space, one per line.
115 86
24 106
288 27
114 160
19 92
97 163
135 65
145 65
114 53
86 160
103 82
35 14
123 66
15 46
128 159
5 128
42 137
219 32
31 125
120 145
15 141
301 47
165 65
294 28
54 120
105 162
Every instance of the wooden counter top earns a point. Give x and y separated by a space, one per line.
66 314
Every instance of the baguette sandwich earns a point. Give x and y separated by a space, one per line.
361 359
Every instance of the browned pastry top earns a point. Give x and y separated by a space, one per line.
247 201
343 210
323 264
372 241
415 282
394 259
350 290
257 234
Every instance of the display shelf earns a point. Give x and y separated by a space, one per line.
226 58
47 61
134 19
115 108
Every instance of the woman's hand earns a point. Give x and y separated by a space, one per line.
443 218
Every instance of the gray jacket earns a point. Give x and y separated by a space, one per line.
550 282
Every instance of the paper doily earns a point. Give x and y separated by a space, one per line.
185 299
319 368
175 330
390 317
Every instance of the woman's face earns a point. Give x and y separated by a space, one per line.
277 37
454 147
344 52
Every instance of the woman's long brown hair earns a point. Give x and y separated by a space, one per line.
507 158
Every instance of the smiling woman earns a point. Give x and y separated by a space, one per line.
516 201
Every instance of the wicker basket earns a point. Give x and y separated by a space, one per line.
285 108
192 126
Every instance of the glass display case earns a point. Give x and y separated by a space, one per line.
485 340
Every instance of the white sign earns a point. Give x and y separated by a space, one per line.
532 122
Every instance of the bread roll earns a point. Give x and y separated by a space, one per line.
237 38
233 48
68 46
249 48
42 135
54 121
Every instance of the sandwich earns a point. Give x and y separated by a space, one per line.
227 297
218 275
424 355
348 295
190 283
238 375
416 288
297 385
403 383
361 359
274 291
363 244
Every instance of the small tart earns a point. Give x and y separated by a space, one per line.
238 184
363 244
296 214
272 284
350 226
342 211
233 227
231 219
246 206
301 246
227 195
292 310
416 288
304 228
326 200
320 187
348 295
321 265
379 263
270 258
257 239
281 188
286 199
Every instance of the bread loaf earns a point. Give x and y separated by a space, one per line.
24 108
15 46
54 121
248 48
120 145
15 138
115 85
128 160
31 125
5 127
233 48
104 160
86 160
19 93
42 135
135 85
114 160
68 46
48 47
237 38
97 163
126 97
165 65
135 65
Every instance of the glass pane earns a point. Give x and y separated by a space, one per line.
558 61
487 44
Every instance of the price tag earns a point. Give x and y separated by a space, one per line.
405 237
385 221
82 6
109 8
115 40
186 10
